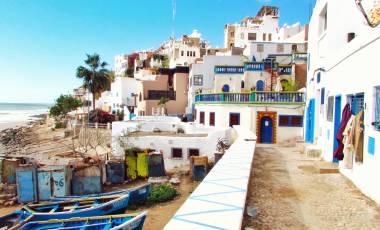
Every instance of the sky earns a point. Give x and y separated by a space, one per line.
42 42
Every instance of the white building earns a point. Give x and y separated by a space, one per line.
176 140
343 56
202 75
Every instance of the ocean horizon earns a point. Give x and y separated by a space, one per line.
14 114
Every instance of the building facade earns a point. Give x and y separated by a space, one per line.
342 80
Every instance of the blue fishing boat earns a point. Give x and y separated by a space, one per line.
137 194
15 219
92 206
113 222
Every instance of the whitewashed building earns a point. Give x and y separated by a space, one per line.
342 69
175 139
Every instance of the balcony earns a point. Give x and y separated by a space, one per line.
255 97
254 66
229 69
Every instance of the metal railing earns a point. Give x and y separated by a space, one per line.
253 97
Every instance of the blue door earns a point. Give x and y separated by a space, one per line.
26 186
266 130
226 88
337 119
260 85
44 186
310 115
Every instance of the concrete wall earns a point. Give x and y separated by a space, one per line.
349 68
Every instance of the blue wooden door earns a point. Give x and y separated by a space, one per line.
266 130
26 189
260 85
44 186
310 116
337 120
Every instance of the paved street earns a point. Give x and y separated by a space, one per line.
289 194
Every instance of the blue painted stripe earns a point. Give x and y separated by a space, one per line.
216 193
199 223
216 202
208 211
224 185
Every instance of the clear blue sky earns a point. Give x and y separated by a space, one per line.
43 41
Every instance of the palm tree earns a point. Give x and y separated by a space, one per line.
96 78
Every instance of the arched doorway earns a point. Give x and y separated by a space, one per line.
242 84
259 85
226 88
266 130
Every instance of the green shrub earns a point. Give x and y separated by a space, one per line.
162 193
59 125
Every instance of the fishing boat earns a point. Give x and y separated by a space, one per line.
112 222
92 206
14 220
136 195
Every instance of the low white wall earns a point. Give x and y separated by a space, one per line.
206 144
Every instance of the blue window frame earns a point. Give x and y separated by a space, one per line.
322 96
357 103
290 120
318 77
377 108
371 145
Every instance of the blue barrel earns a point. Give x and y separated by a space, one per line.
199 172
115 172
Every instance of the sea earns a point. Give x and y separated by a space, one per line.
20 113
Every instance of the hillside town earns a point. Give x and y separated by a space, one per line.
279 129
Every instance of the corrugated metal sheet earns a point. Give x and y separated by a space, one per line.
86 185
142 164
26 178
9 170
131 167
115 172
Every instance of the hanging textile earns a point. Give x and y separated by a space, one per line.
346 114
348 141
359 137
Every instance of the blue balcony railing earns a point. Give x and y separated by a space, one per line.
285 70
254 97
254 66
229 69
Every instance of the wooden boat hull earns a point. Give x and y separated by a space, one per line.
136 195
113 222
14 220
120 203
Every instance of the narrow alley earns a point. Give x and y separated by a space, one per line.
288 193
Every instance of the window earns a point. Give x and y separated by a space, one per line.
252 36
294 48
357 103
212 119
264 36
232 34
290 121
193 53
377 108
323 20
330 108
187 53
193 152
202 117
280 48
242 35
269 37
176 153
234 119
198 80
322 96
182 53
260 47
